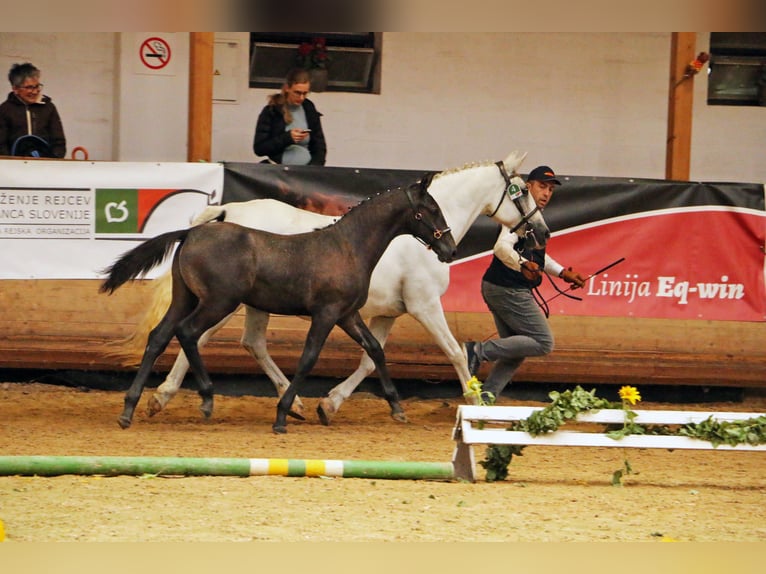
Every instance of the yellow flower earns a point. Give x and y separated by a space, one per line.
630 394
474 388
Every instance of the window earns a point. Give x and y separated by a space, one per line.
354 59
737 69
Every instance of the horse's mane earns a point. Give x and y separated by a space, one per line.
463 168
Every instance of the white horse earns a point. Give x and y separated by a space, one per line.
407 279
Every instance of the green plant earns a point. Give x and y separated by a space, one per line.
629 396
564 406
750 431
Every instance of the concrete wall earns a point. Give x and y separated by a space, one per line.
585 103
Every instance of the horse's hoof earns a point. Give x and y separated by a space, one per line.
326 411
400 417
296 415
124 422
206 408
153 406
296 411
279 429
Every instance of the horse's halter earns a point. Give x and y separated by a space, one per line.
514 193
438 233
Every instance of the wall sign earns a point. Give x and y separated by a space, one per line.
155 53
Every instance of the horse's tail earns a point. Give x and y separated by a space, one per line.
140 260
210 213
128 351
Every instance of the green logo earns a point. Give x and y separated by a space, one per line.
514 191
116 211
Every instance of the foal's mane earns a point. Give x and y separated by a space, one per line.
421 185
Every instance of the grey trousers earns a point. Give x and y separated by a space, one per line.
523 332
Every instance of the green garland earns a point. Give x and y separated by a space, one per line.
568 405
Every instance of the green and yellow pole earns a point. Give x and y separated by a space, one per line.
181 466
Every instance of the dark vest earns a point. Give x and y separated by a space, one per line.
499 274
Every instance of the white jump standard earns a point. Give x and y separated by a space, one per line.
487 425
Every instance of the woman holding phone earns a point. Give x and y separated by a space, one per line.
289 128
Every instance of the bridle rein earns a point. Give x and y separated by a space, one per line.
438 233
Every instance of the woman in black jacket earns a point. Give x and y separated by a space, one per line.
30 115
289 128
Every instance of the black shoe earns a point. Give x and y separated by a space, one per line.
487 398
471 357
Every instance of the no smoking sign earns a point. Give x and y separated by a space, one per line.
155 53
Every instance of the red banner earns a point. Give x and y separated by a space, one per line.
678 264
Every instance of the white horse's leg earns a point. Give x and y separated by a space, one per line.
435 322
169 388
254 340
380 327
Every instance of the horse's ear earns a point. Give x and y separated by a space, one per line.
425 182
514 160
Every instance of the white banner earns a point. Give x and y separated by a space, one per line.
71 219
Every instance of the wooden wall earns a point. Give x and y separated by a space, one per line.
67 324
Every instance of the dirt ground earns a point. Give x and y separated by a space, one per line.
552 493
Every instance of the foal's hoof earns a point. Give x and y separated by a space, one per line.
399 417
153 406
124 422
206 408
279 429
326 411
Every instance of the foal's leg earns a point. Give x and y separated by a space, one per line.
158 341
189 331
380 327
254 340
317 335
358 331
175 378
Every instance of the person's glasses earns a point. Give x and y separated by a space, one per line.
300 94
31 88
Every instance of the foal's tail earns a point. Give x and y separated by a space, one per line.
130 349
140 260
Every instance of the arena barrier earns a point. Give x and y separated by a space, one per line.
181 466
487 425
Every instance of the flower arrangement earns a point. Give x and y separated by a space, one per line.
565 406
313 54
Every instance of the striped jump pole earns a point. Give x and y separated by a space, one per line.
183 466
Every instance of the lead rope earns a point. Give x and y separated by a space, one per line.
543 303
